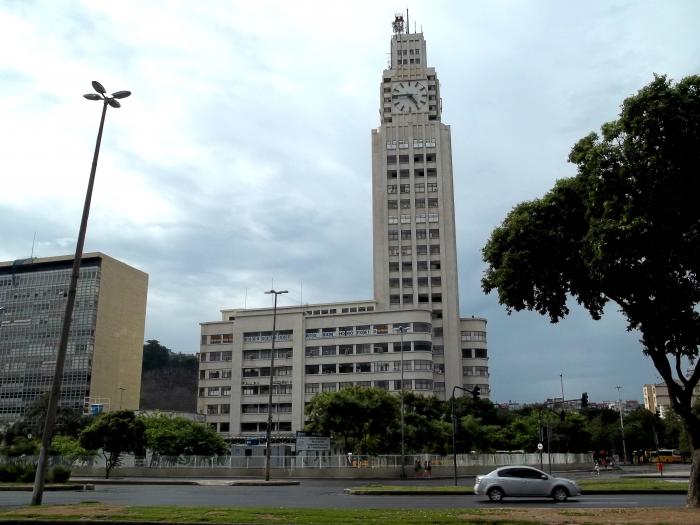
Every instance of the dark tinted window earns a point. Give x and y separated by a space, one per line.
526 473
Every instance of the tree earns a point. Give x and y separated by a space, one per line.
625 229
361 420
176 436
70 448
115 433
69 421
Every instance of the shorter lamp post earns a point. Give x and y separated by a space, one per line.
475 392
268 430
402 330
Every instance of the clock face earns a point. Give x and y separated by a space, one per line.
409 96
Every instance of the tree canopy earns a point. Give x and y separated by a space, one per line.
176 436
115 433
625 229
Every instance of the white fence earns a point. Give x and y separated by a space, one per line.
341 461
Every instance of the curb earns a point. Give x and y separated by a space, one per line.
590 492
49 488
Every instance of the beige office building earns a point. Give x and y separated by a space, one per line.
326 347
656 398
103 364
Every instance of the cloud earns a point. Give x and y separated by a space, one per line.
243 154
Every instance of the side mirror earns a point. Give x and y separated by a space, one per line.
543 477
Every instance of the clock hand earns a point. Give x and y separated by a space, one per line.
413 99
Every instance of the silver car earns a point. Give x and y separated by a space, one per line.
524 482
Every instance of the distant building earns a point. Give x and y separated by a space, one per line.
327 347
656 398
103 364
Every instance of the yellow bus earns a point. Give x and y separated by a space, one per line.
666 455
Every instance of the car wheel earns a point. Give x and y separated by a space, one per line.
495 494
560 494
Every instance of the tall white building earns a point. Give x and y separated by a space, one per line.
322 348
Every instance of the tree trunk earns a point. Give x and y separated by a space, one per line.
694 480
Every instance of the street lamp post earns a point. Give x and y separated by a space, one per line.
622 425
402 330
55 392
268 430
121 396
475 393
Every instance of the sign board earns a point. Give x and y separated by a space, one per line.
312 441
539 446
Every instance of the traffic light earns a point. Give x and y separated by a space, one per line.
476 392
584 400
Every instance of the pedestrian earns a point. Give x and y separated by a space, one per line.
429 468
596 468
418 467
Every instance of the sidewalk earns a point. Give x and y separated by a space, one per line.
183 481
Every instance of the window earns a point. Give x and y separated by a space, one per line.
438 331
407 266
214 356
283 371
404 174
406 346
394 299
405 235
214 339
213 374
408 299
422 249
405 219
433 217
435 281
328 368
432 203
482 371
437 298
424 384
405 250
420 217
380 348
407 282
391 174
393 282
311 388
227 339
329 387
438 350
435 249
311 369
467 371
420 187
345 368
393 205
393 267
422 281
420 234
403 159
435 234
364 348
213 391
405 204
384 385
345 384
328 332
312 351
391 159
393 250
422 346
393 235
345 350
363 368
420 203
391 188
406 384
473 336
439 368
480 353
328 350
212 410
432 186
381 366
418 157
422 265
434 265
392 219
381 329
422 364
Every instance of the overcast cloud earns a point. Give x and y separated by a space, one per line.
243 154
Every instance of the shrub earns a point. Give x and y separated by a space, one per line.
58 474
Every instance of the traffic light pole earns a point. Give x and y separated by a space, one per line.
475 392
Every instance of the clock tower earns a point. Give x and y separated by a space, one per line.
414 239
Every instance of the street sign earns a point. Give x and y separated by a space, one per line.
540 446
312 441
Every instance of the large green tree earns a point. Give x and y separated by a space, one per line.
115 433
625 229
176 436
360 420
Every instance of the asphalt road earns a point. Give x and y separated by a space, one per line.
311 494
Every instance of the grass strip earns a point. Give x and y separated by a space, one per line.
255 516
628 484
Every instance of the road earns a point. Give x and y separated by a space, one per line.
310 494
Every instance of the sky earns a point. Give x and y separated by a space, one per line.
242 160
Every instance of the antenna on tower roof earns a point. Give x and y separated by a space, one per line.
408 25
